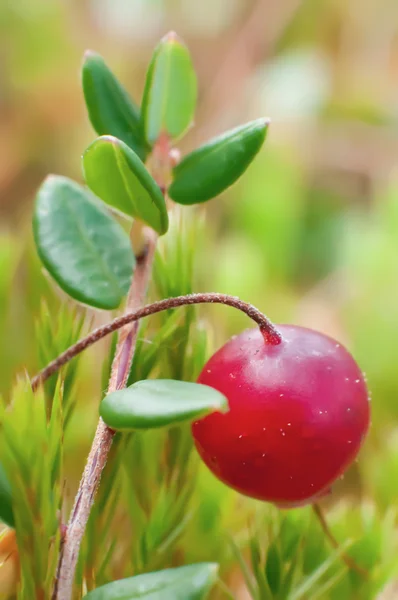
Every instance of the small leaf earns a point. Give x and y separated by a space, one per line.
84 249
159 403
169 100
191 582
273 568
110 108
116 174
6 512
210 169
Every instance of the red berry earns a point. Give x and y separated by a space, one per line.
299 411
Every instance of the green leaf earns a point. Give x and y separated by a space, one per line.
84 249
110 108
6 512
308 585
210 169
273 568
191 582
169 100
159 403
117 175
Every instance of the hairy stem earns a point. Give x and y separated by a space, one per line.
103 438
270 334
350 562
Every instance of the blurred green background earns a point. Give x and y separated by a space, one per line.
309 234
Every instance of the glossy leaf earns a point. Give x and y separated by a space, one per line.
169 100
191 582
159 403
6 512
209 170
116 174
84 249
110 108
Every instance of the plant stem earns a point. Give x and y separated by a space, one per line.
270 334
103 438
350 562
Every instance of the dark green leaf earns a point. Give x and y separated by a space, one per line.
169 100
191 582
209 170
110 108
81 245
6 512
117 175
273 568
159 403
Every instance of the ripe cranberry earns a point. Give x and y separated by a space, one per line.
299 411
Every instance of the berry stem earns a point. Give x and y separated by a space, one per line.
270 334
351 564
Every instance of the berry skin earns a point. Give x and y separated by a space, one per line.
298 413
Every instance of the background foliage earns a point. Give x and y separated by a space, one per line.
310 235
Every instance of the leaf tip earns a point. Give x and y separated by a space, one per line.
223 405
52 178
90 54
172 38
109 138
214 568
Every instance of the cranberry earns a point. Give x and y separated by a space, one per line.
299 411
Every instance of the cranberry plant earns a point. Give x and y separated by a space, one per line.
289 407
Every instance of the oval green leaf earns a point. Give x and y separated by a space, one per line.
169 100
110 108
116 175
6 512
83 248
157 403
209 170
191 582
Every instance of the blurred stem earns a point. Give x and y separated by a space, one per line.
121 365
351 564
269 332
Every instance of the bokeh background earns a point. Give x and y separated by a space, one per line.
309 234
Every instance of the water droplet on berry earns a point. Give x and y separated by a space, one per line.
357 381
281 395
349 441
348 409
288 424
208 370
232 376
